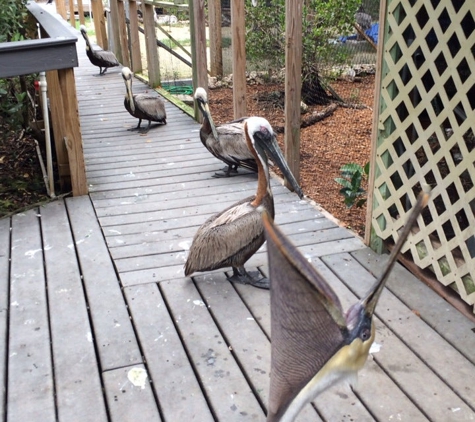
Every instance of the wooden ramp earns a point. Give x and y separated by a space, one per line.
98 323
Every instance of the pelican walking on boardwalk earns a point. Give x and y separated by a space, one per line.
231 237
143 106
314 344
101 58
226 142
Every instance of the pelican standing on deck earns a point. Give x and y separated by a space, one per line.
313 344
101 58
231 237
226 142
143 106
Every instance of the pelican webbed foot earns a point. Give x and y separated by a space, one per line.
229 171
137 127
254 278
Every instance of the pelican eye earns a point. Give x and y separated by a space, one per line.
365 334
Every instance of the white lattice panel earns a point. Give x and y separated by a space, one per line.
425 134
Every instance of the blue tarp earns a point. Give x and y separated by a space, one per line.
371 32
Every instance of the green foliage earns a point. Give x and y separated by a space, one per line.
13 14
323 20
14 102
352 175
13 91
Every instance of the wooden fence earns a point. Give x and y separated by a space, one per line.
423 133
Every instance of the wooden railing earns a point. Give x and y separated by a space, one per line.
55 53
126 46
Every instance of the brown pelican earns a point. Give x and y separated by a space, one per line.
313 343
101 58
143 106
227 141
231 237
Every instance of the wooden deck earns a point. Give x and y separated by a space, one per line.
98 323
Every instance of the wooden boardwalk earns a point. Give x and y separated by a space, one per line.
98 323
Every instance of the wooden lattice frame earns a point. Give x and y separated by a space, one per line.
424 134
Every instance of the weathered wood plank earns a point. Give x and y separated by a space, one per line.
116 341
73 138
450 324
77 377
196 181
139 233
4 299
245 338
182 240
193 180
166 266
166 212
175 384
101 167
239 58
176 145
228 392
224 196
141 178
30 368
150 234
154 251
424 373
293 79
129 395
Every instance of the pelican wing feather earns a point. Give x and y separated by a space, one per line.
231 147
150 106
222 237
307 321
107 57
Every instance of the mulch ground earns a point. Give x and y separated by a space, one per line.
21 180
342 137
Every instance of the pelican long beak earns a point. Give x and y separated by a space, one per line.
371 299
207 111
273 149
128 86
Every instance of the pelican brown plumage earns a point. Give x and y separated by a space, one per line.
313 343
143 106
226 142
230 238
98 57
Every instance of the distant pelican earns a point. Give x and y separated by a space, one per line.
231 237
101 58
143 106
227 141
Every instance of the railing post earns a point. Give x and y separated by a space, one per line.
123 33
59 129
136 56
215 37
153 61
99 24
293 84
239 58
66 127
198 48
114 35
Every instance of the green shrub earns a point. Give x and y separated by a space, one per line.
352 175
13 91
13 15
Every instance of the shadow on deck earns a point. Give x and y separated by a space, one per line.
98 323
